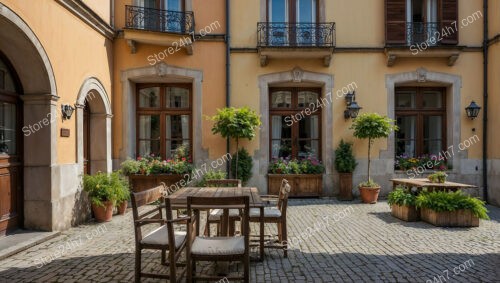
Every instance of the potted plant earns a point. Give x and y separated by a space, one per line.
438 177
103 190
122 196
146 172
305 175
345 163
371 126
402 203
236 123
451 209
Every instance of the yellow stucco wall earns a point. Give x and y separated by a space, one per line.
76 52
494 101
101 8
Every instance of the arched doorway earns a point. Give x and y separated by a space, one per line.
86 139
11 154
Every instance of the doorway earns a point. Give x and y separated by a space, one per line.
86 139
11 163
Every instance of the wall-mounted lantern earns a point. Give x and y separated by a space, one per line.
67 111
352 108
472 110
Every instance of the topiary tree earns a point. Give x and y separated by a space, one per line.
244 165
372 126
344 158
236 123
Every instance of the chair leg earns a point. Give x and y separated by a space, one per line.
189 270
207 229
284 238
246 270
163 257
172 266
280 232
137 265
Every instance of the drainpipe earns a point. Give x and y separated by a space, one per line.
228 71
485 100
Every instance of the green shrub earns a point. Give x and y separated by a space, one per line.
437 177
443 201
245 164
401 196
130 166
344 158
103 187
212 175
303 166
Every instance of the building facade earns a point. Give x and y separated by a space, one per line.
142 75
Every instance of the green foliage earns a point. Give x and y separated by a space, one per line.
154 165
401 196
344 158
103 187
236 123
130 166
212 175
437 177
442 201
304 166
372 126
369 184
245 164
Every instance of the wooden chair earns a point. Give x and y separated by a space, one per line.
221 248
158 239
214 215
277 215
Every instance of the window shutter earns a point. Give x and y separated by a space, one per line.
449 16
395 22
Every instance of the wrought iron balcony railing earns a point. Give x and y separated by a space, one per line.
274 34
418 33
159 20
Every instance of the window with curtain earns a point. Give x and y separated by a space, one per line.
164 119
421 118
293 133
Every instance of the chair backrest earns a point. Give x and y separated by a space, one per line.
143 198
237 202
285 189
224 183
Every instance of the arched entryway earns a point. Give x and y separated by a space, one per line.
93 114
11 149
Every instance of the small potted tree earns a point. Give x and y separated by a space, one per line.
103 190
236 123
371 126
345 163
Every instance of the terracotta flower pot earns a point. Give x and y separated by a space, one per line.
369 194
103 213
122 207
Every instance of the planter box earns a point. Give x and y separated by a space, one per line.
303 185
140 183
345 186
458 218
405 212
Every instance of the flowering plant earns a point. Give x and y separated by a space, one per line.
426 161
152 164
308 165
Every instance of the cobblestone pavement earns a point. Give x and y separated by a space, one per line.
346 242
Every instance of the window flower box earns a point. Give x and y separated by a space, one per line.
305 176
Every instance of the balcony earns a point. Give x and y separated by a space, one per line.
417 39
295 40
158 27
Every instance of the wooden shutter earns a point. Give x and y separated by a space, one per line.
449 23
395 22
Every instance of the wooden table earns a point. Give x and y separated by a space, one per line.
179 200
425 183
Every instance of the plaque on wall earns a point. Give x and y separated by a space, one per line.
64 132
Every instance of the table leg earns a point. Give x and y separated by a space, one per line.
261 221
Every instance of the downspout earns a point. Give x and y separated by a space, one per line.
485 100
228 72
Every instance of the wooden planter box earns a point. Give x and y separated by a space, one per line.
405 212
458 218
303 185
345 186
140 183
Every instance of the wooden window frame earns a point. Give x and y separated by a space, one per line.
420 112
163 111
294 109
292 11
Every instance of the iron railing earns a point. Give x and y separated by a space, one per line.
159 20
418 33
274 34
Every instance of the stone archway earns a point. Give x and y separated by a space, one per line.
297 76
39 94
93 93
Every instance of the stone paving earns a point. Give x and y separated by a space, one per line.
331 241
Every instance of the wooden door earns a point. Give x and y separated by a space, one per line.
11 187
86 139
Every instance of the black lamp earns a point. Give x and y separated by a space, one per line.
67 111
472 110
353 108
